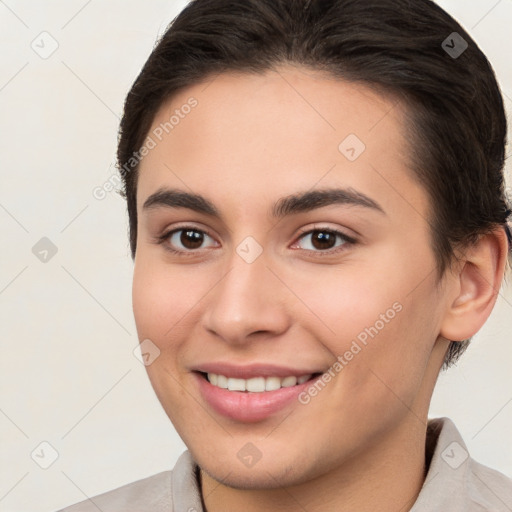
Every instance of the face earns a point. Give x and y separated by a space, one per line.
283 251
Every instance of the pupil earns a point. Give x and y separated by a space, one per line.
191 239
323 240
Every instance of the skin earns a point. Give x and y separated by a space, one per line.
251 140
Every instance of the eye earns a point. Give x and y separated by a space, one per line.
185 239
325 240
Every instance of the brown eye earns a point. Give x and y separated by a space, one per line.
325 240
186 239
191 239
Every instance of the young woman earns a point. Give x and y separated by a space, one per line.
318 224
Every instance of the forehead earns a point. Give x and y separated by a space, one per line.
290 128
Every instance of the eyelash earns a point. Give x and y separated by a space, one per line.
346 239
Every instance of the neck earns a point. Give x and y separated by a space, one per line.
387 477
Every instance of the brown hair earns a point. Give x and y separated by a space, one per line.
401 47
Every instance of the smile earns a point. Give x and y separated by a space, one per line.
255 384
261 395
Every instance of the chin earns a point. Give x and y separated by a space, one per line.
260 478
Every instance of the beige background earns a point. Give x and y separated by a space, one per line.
68 376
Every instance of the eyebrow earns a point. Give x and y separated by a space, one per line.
289 205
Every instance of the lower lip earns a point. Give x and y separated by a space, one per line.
246 406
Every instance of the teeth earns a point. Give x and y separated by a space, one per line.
272 383
288 382
236 384
222 381
256 384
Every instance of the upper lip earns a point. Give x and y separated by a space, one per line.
252 370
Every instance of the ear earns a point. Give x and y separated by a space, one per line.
475 286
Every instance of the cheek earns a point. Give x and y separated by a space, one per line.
396 351
162 306
161 298
148 301
377 322
347 301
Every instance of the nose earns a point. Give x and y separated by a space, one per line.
248 302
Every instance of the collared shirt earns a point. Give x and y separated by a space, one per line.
454 483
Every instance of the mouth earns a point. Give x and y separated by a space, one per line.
256 384
252 394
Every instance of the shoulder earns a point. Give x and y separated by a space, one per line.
488 488
151 494
455 481
164 492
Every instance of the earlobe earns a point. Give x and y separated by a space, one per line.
476 286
